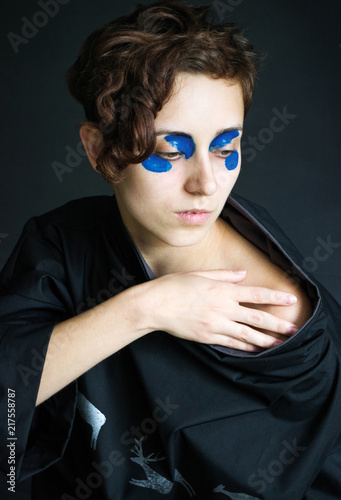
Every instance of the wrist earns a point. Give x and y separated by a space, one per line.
140 299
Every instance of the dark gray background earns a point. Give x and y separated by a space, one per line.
296 175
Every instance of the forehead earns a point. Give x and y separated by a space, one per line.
200 104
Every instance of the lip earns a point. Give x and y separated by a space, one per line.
194 216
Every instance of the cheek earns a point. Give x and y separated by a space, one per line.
145 190
170 176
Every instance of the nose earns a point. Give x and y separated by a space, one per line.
201 177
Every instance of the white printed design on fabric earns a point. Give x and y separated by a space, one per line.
154 480
92 416
233 496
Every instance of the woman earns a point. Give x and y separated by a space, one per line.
168 337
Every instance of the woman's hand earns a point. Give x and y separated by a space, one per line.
206 307
200 306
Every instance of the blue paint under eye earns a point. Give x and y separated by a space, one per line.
222 140
156 164
182 144
232 160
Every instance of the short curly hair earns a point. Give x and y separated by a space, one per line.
126 72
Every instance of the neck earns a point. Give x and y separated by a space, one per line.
165 259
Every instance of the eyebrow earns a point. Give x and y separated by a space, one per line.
219 132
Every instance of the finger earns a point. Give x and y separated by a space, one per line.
260 295
223 275
232 343
263 320
275 335
248 335
240 336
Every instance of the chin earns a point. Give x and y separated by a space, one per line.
186 238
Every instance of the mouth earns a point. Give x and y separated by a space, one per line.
194 211
194 216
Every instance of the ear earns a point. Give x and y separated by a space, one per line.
92 140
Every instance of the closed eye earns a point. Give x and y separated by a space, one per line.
223 152
170 156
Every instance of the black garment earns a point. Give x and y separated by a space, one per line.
214 420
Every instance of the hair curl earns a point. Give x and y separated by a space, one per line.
126 71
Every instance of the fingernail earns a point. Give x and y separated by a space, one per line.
290 299
278 342
239 272
292 329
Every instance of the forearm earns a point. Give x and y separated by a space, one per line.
202 307
79 343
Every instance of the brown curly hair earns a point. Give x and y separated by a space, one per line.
126 71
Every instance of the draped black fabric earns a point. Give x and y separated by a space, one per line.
164 417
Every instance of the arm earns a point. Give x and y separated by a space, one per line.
201 307
79 343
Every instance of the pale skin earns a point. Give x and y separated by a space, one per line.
198 294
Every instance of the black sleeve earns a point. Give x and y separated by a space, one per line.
34 297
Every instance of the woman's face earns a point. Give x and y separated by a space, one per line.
176 195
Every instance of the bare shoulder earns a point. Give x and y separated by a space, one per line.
298 313
262 272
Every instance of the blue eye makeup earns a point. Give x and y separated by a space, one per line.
156 164
222 140
181 143
185 145
232 161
